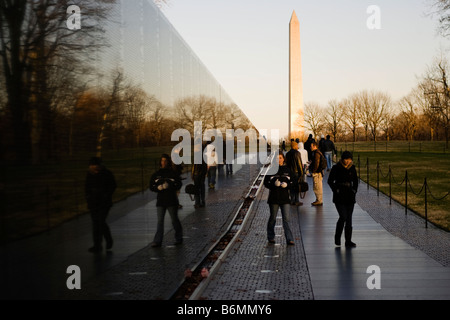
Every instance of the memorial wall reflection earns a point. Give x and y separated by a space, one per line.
117 87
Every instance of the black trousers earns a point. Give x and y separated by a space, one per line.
100 228
345 211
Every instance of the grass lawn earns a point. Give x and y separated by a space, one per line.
420 160
40 197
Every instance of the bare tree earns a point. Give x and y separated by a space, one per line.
33 33
380 109
364 112
441 8
409 115
351 114
334 116
111 111
436 94
191 109
314 117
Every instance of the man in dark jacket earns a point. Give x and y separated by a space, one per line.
165 182
317 173
294 163
343 180
99 187
199 172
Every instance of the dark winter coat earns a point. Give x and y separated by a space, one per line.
99 188
343 183
294 162
167 197
314 167
279 195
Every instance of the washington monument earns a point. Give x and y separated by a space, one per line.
296 121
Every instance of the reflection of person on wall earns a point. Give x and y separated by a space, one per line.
199 172
212 160
99 187
229 163
343 180
165 182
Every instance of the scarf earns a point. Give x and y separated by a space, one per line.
348 166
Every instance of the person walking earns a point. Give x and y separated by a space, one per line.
315 168
328 150
304 156
212 160
100 185
343 180
321 145
165 182
279 185
295 165
199 172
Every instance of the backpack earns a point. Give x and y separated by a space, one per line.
323 163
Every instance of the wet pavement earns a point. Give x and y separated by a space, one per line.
411 262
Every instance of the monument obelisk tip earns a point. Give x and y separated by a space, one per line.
296 120
294 17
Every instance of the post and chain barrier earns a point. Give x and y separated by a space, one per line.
425 188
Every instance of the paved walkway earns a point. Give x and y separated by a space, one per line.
35 268
413 261
316 269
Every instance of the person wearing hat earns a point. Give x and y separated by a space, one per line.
99 187
343 180
294 163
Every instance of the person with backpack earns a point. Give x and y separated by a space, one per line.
317 166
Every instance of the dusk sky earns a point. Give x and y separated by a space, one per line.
245 46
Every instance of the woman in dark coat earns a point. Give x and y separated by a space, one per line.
279 185
100 185
165 182
343 181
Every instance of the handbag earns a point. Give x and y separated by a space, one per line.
191 190
303 186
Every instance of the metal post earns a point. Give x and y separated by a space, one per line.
390 185
367 164
47 206
142 177
359 168
426 204
378 178
75 188
406 192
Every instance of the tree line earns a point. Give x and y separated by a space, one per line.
55 102
423 114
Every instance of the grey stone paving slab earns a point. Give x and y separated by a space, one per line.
257 270
407 272
35 268
155 273
325 272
